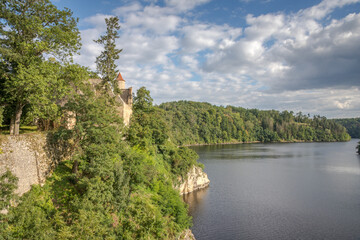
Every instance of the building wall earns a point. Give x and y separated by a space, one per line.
127 112
126 99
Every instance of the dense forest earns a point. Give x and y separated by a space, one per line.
194 122
117 182
352 125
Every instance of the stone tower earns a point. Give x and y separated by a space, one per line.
126 99
121 81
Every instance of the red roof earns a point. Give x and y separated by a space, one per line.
120 78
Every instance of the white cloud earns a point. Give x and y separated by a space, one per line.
97 21
153 18
324 8
297 62
122 11
290 52
198 37
264 26
142 49
183 5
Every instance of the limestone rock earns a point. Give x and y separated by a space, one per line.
195 179
186 235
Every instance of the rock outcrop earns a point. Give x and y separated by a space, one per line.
186 235
195 179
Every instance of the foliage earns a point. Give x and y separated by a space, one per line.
30 32
105 62
352 125
8 184
358 148
109 189
149 131
142 100
194 122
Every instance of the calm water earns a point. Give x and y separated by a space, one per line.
278 191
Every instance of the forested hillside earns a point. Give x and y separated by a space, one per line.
352 125
109 187
194 122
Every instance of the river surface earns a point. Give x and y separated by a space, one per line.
278 191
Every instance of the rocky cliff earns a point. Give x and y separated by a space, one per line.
195 179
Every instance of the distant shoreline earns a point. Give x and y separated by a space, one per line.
250 142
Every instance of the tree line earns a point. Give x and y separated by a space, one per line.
194 122
351 124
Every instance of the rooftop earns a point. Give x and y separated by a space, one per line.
120 78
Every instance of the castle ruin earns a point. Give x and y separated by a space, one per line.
125 99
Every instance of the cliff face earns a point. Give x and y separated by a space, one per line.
195 179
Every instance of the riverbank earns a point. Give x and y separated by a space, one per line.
249 142
209 144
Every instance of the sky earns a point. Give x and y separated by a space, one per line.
266 54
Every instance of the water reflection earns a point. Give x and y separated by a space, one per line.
278 191
345 170
196 199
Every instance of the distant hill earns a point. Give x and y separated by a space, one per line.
352 126
196 122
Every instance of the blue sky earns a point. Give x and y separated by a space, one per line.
266 54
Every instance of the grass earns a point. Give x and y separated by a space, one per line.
4 130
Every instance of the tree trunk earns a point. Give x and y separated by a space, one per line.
75 167
12 125
18 112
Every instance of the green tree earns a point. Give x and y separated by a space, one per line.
352 125
142 100
105 63
30 31
8 184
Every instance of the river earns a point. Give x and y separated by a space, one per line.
278 191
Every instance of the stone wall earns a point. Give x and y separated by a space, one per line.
127 112
29 157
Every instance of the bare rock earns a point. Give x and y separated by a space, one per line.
186 235
195 179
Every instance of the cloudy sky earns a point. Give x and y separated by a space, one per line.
266 54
